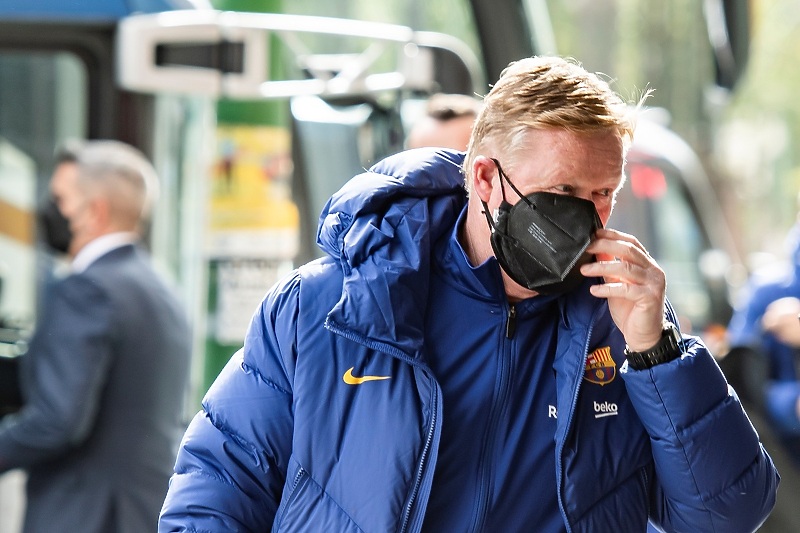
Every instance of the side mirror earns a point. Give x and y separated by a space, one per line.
728 25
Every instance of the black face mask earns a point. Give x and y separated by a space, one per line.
54 227
541 241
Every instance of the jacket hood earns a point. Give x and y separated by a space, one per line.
381 227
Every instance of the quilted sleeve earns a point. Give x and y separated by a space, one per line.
70 354
231 465
712 472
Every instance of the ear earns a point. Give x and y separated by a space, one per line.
100 209
484 171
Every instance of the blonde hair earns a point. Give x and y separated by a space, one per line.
546 92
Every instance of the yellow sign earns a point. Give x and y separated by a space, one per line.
252 213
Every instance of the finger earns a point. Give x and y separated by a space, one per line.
608 233
622 271
596 269
611 290
647 301
604 257
627 291
605 248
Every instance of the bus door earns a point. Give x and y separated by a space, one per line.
45 98
344 85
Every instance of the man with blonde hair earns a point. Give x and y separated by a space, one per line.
104 377
493 362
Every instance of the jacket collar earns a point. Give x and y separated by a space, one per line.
100 247
381 227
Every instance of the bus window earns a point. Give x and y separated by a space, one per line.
42 103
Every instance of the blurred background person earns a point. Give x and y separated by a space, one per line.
781 320
104 378
762 365
447 122
764 337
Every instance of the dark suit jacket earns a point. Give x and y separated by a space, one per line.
103 384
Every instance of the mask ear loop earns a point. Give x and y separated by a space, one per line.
511 184
485 212
495 233
502 190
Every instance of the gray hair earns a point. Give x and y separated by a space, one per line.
117 171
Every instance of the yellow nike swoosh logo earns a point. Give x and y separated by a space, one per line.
350 379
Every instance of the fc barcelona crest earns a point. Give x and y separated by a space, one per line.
600 367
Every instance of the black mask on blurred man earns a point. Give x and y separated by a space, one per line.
541 241
54 226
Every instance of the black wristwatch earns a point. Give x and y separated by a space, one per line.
667 349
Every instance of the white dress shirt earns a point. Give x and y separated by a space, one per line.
100 247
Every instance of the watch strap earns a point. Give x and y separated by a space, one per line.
666 349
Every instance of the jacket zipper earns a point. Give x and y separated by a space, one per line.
568 423
502 395
423 458
298 477
511 321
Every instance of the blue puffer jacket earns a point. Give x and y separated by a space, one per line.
284 442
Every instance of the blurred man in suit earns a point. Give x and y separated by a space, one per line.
104 378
